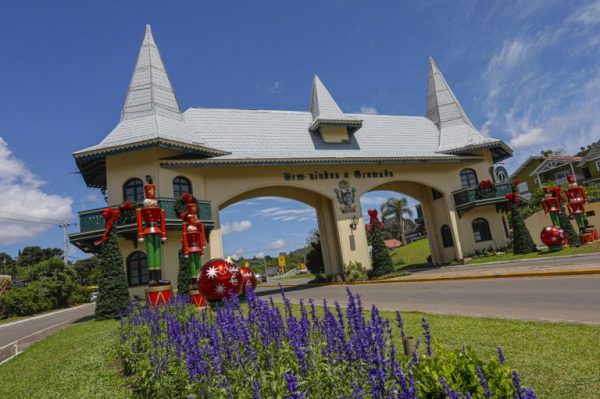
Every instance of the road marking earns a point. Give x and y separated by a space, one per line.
42 316
15 342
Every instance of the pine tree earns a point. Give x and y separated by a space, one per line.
380 257
113 296
522 241
566 225
184 275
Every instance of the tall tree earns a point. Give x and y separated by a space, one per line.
6 263
396 209
522 241
30 256
113 295
380 256
87 270
314 257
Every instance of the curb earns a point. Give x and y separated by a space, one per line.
576 272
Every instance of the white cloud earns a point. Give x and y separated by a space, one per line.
286 214
261 254
275 87
365 109
531 138
237 254
21 197
278 244
235 227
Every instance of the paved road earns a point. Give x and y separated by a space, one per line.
565 299
24 332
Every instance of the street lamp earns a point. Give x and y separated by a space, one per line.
353 223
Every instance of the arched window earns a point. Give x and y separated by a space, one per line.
468 178
481 230
133 190
181 185
137 271
447 236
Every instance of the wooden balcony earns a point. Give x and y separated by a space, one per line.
92 223
469 198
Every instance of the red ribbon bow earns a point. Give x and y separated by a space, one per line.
374 221
485 184
111 216
512 199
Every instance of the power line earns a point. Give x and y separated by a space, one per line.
29 217
28 221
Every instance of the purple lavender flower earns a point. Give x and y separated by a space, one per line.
486 389
427 335
501 355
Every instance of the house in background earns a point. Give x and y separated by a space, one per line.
590 164
540 169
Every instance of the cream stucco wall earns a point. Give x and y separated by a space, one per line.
226 185
536 222
334 134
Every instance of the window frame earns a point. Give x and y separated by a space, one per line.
138 196
174 183
467 173
139 260
486 234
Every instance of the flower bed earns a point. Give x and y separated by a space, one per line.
264 352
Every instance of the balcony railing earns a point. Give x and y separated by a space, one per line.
92 219
468 198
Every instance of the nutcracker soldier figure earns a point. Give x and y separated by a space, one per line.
551 204
193 241
152 230
577 198
193 235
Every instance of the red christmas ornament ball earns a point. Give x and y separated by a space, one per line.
248 278
552 235
218 278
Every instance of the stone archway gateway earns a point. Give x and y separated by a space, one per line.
323 157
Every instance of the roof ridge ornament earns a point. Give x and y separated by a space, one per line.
150 90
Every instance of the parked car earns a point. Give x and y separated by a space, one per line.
260 277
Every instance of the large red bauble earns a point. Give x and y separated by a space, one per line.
552 235
248 278
218 278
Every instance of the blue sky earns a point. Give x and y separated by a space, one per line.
526 72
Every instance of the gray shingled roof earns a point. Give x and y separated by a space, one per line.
151 116
457 133
591 155
253 134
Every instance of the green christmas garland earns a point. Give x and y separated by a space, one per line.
179 206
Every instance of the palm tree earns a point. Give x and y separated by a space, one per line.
396 209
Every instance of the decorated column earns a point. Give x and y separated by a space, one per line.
193 241
152 230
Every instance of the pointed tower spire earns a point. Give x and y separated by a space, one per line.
443 107
150 91
325 110
457 133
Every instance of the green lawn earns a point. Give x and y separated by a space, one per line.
413 254
584 249
557 360
73 363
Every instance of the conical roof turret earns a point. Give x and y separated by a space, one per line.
325 110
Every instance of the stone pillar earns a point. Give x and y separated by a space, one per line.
328 235
453 219
433 231
353 243
215 244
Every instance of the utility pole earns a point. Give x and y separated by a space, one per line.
65 241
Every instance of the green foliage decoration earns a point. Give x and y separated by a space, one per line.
380 256
522 241
184 275
566 225
113 296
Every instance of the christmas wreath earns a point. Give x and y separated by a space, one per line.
486 189
180 202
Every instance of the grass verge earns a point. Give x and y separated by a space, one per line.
411 255
557 360
74 363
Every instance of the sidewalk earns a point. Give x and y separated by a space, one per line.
556 266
